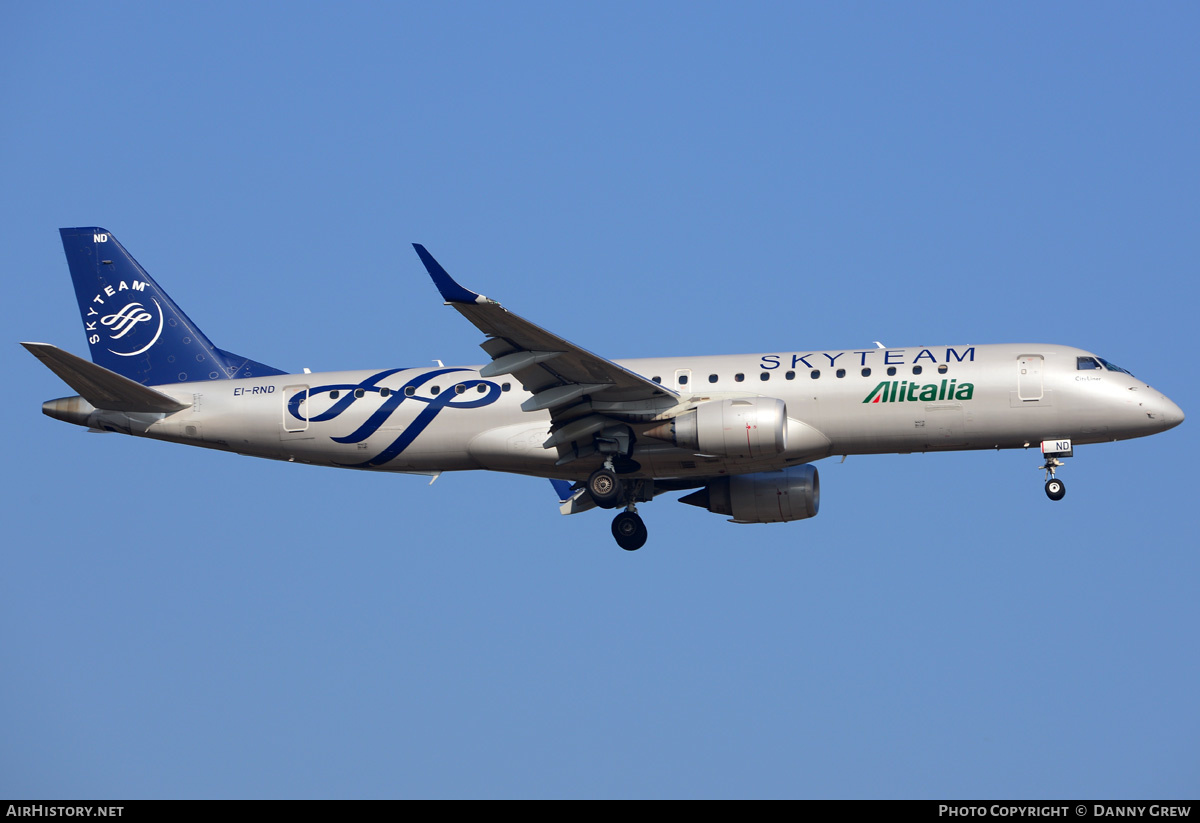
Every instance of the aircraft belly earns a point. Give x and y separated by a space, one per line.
514 448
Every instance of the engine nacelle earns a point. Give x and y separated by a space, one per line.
763 497
745 427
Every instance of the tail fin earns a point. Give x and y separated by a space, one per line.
133 327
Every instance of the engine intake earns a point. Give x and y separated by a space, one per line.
745 427
763 497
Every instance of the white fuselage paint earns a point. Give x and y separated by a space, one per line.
1020 394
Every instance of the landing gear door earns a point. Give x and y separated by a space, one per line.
1029 377
295 410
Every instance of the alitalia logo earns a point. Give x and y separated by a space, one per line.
901 391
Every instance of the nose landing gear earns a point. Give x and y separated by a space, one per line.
1056 489
1052 450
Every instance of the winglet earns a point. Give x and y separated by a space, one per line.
563 489
451 291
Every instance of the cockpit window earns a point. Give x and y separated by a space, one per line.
1085 363
1114 367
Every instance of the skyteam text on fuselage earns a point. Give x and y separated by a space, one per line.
740 432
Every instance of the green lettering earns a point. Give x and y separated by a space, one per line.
965 390
878 394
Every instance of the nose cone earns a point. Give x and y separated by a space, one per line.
1170 414
1161 413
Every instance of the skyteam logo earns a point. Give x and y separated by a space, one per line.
901 391
131 323
469 394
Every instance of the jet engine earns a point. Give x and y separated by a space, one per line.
763 497
745 427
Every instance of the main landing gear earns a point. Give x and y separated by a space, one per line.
605 488
608 491
629 530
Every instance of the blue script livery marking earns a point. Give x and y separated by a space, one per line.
434 404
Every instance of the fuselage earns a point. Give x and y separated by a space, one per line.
740 432
866 401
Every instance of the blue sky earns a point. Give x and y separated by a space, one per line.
644 179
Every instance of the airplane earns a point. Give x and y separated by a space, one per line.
738 432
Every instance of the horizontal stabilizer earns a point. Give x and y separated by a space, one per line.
99 386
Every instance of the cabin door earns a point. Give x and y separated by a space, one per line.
295 411
1029 377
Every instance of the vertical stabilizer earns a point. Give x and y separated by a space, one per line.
133 327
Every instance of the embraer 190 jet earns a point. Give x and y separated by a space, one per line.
739 432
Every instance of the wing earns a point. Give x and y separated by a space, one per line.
557 373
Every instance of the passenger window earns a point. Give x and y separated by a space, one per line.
916 369
385 392
481 388
841 372
739 377
891 371
409 391
942 369
683 378
434 390
460 388
333 395
712 378
815 374
765 376
359 392
790 376
505 386
866 372
656 379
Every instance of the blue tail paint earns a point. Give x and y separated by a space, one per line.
133 327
